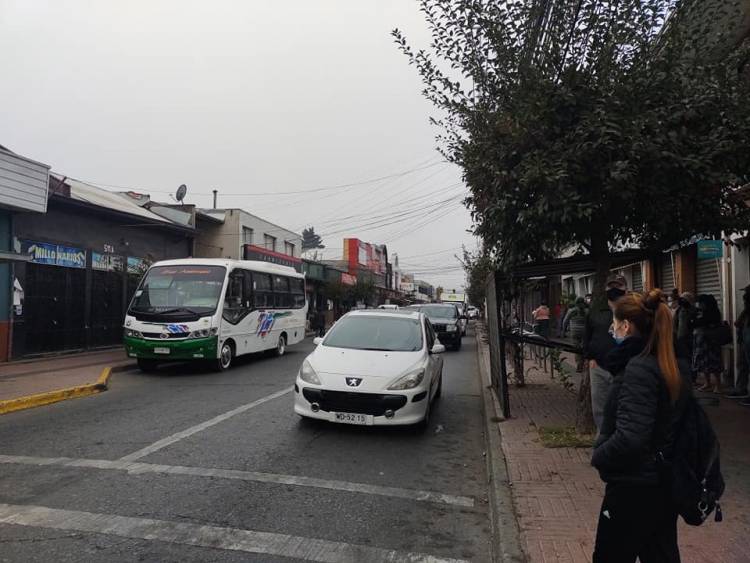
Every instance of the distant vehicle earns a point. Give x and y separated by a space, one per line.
388 306
459 300
214 310
372 369
445 320
472 312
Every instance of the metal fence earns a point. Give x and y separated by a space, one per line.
498 371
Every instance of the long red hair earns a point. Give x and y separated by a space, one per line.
650 315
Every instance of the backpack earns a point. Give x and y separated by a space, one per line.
694 471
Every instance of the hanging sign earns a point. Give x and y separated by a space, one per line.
54 254
106 262
137 265
710 249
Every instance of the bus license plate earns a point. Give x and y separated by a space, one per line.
161 350
353 418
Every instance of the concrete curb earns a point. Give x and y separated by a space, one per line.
49 397
506 535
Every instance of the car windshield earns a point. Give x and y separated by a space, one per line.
447 312
365 332
193 289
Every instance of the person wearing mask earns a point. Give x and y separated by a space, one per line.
742 324
597 342
707 362
541 319
684 321
575 319
638 519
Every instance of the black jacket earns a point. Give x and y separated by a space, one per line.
639 420
597 341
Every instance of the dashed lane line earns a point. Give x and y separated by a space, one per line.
295 480
169 440
234 539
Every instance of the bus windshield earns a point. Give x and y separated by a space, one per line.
184 289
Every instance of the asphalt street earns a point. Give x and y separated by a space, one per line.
189 465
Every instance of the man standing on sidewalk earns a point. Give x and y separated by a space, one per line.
743 350
597 342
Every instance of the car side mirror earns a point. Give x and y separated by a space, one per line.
437 349
317 340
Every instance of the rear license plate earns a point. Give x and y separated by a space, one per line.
161 350
353 418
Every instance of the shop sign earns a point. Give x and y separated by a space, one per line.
137 265
106 262
54 254
252 252
710 249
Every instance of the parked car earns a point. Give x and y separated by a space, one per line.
371 368
445 320
463 319
472 312
388 307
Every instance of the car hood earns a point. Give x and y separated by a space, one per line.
366 363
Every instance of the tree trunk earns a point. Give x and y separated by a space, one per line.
600 255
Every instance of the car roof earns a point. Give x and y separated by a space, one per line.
386 313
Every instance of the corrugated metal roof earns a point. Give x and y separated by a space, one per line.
119 202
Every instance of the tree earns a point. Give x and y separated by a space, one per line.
478 267
310 240
589 124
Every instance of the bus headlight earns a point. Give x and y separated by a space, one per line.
200 333
130 333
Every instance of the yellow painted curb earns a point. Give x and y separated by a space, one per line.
49 397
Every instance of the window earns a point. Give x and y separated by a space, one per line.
236 303
372 332
263 295
288 248
247 235
430 335
297 287
269 242
282 297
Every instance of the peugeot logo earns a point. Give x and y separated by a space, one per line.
164 335
353 381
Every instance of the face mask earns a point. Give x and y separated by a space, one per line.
619 339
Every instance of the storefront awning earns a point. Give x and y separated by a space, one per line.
580 264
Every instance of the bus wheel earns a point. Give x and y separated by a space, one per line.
281 346
224 361
146 365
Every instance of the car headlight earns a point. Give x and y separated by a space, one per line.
408 381
307 374
130 333
451 328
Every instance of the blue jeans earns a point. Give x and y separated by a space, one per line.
601 381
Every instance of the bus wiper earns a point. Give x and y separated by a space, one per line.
177 310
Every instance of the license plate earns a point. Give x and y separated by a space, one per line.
161 350
353 418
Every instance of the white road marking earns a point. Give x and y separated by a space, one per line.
169 440
299 481
234 539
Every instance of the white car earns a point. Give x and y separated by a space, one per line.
388 307
372 368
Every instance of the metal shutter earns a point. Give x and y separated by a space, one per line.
666 275
638 278
708 278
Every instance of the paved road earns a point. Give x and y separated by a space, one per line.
185 465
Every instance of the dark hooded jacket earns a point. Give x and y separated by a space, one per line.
639 416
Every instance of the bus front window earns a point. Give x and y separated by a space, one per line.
167 290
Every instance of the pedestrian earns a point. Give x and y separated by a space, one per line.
673 301
597 342
684 324
707 364
650 389
557 317
575 319
320 323
541 319
742 324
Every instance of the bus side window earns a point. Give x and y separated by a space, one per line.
262 291
248 297
297 287
234 306
282 298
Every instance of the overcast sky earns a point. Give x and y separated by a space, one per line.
249 97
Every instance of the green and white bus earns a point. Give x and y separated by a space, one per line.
213 310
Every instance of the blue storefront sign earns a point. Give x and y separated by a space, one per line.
710 249
54 254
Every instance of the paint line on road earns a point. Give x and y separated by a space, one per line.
174 438
295 480
233 539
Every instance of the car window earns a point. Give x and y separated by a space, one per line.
365 332
430 334
435 313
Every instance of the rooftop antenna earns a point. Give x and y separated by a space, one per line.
181 192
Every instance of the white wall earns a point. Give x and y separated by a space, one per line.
23 183
261 227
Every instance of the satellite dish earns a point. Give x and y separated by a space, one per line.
181 191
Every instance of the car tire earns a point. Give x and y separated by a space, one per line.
281 345
147 366
226 356
422 426
457 345
439 391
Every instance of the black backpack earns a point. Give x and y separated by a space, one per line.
694 471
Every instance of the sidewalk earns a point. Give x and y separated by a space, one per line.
31 377
557 494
